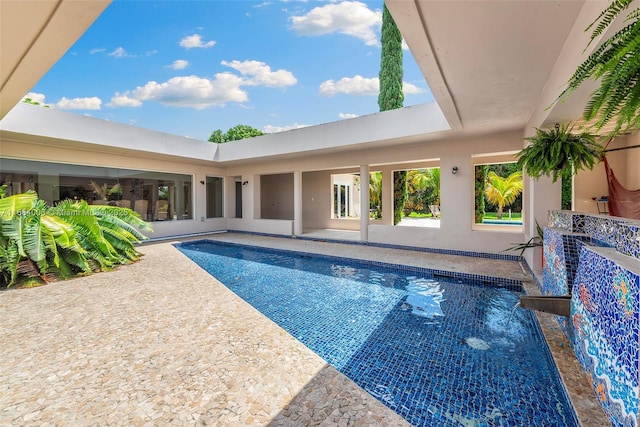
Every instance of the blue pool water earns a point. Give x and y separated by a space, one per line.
438 352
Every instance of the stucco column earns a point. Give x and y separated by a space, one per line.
542 196
387 196
297 203
364 203
252 198
229 196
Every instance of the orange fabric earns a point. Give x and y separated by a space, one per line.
622 202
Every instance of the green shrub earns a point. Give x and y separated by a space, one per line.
60 242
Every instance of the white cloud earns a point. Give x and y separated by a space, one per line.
179 64
37 97
199 92
190 91
258 73
195 40
411 89
347 115
276 129
89 103
119 100
352 18
120 52
99 50
356 85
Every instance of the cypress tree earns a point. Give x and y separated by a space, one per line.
480 181
391 96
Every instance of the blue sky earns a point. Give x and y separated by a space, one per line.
190 67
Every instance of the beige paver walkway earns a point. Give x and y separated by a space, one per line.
161 342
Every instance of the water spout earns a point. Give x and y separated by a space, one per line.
555 304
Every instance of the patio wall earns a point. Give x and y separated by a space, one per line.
457 231
624 163
35 133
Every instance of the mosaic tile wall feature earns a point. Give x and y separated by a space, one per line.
604 230
605 313
560 264
577 223
554 272
561 219
561 260
628 241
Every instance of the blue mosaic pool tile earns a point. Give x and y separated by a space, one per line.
440 353
477 279
605 313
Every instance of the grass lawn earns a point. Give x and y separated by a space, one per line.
420 215
515 216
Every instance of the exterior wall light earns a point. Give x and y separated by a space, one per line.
244 183
454 170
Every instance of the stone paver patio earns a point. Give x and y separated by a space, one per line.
161 342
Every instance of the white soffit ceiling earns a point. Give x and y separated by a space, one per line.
487 62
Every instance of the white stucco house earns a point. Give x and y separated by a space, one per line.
495 68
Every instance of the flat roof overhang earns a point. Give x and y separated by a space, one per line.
33 36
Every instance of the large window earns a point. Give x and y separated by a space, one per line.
156 196
421 196
498 194
214 197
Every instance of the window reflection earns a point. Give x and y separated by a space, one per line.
156 196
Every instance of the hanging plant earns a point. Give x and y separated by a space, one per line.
553 150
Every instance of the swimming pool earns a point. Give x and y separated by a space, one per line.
439 352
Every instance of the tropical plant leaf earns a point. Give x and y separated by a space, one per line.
18 204
616 64
13 258
71 238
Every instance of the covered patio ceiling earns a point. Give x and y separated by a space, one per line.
499 64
